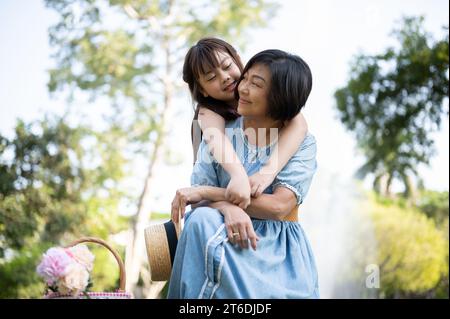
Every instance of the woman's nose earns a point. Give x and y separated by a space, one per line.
242 88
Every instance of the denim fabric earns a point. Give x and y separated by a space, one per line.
207 266
296 175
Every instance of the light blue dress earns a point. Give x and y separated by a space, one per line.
207 266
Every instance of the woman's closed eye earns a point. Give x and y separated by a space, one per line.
244 79
255 84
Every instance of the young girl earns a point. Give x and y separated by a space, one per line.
212 68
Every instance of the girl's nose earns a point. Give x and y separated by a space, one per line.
226 77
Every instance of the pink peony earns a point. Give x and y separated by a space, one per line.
82 255
75 280
53 265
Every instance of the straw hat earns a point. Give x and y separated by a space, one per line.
161 242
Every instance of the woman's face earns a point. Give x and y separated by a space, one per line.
253 91
220 82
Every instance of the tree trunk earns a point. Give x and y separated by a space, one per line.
382 184
387 191
410 189
137 244
137 248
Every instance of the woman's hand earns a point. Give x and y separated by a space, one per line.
259 182
184 197
238 191
239 226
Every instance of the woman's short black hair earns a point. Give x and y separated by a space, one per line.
291 82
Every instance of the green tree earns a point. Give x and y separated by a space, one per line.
49 195
393 101
412 252
435 205
135 62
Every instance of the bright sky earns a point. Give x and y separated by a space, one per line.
325 33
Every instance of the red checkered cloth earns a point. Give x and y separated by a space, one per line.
91 295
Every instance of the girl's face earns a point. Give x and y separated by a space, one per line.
253 91
219 83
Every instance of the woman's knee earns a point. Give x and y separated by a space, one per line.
204 216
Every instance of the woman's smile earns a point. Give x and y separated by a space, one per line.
243 101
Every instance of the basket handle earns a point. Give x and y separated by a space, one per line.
116 255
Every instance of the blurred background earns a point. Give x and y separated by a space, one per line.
95 132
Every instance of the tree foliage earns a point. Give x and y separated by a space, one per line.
394 100
51 192
412 252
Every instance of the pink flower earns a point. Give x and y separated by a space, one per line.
67 270
82 255
75 280
53 265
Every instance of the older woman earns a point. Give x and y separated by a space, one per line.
213 259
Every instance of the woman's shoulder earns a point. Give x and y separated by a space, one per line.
307 147
308 140
233 128
205 110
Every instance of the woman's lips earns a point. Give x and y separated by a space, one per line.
242 101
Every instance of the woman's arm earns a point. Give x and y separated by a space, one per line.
267 206
213 128
289 141
274 206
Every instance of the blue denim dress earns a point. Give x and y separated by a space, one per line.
207 266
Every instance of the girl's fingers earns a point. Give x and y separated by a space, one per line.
255 189
243 205
259 191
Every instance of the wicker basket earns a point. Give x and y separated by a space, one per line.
118 294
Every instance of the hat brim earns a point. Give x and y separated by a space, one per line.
161 241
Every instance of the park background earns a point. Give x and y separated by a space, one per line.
95 132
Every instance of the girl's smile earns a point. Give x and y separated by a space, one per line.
230 87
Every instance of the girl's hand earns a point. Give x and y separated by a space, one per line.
238 191
184 197
259 182
239 226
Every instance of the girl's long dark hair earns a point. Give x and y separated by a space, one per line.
200 58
